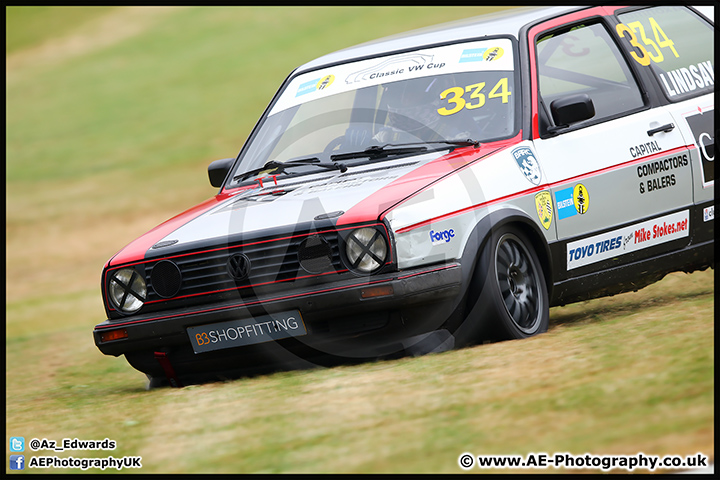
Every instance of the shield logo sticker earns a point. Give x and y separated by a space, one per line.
543 205
527 164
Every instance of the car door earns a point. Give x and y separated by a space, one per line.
614 165
676 45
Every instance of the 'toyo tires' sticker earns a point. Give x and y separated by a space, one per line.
628 239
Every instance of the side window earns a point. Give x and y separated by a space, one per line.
676 44
585 60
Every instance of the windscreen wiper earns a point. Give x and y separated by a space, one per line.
394 149
280 167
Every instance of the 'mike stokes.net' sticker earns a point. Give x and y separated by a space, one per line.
628 239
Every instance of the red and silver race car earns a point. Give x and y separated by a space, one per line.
424 192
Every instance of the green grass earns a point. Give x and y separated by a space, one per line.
109 134
633 373
30 26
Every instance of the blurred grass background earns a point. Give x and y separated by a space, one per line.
114 113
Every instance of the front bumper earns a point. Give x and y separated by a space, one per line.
339 320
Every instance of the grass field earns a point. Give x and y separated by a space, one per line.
113 115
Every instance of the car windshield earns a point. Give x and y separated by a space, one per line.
432 97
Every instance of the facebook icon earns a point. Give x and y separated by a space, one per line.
17 462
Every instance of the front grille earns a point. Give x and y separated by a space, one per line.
315 254
211 271
166 278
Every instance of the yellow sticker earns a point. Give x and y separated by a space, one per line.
325 82
493 54
543 205
581 198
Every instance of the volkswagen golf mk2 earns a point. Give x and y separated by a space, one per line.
427 191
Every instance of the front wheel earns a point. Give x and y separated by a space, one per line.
521 288
507 298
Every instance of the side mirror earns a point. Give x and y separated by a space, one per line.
218 170
572 109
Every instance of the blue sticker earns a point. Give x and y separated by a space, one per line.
564 203
307 87
441 237
529 166
472 55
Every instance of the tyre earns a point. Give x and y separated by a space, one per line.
507 297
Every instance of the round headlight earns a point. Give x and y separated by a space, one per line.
127 290
366 249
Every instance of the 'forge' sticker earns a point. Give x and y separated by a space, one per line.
628 239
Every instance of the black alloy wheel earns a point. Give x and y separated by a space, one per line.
519 284
507 297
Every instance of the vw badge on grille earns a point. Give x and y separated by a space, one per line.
238 266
